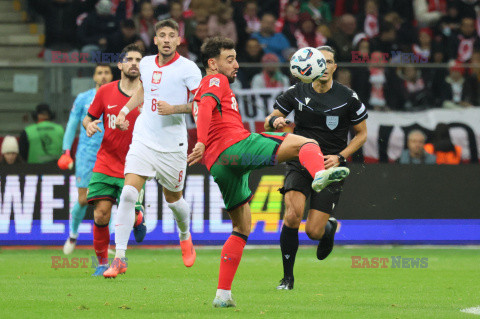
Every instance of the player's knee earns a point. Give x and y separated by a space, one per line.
292 218
314 233
101 216
171 197
129 194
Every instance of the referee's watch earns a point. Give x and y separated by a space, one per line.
341 159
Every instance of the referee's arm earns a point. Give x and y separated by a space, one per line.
278 122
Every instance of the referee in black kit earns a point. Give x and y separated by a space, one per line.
324 111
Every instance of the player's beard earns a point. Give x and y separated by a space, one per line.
130 76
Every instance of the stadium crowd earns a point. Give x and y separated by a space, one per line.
401 31
268 32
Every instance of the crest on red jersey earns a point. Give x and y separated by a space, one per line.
214 81
156 77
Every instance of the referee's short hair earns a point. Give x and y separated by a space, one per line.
329 49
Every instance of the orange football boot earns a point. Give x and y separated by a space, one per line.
118 267
188 252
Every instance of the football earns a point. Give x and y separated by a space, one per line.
308 64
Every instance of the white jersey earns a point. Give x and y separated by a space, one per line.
172 83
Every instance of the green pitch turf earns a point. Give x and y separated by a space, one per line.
158 285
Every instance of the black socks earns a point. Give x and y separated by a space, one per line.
289 247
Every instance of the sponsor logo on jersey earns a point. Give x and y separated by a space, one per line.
332 122
214 81
307 99
111 106
156 77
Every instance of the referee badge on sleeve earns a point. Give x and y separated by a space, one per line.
332 122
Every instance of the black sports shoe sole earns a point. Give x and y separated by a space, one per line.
325 246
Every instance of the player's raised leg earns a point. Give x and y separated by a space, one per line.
181 212
294 207
125 221
78 213
310 157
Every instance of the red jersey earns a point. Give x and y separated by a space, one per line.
219 124
108 102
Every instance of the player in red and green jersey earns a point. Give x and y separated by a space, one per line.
230 152
107 179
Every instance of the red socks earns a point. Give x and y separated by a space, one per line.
311 157
101 240
230 258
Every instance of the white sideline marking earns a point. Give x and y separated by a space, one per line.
473 310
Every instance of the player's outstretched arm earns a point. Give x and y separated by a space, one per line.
276 120
135 100
163 108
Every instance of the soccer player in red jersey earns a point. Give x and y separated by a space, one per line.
231 152
107 179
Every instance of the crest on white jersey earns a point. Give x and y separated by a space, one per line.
156 77
214 81
332 122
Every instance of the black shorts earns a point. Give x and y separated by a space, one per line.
297 178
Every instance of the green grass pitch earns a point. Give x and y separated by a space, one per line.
158 285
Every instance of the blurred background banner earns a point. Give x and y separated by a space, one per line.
381 204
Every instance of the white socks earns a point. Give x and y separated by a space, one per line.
181 212
125 219
224 294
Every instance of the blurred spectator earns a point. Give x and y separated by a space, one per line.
451 21
145 23
251 16
271 41
405 32
386 40
423 47
97 27
415 152
124 9
462 44
195 42
347 7
221 24
253 54
442 146
161 9
456 90
41 142
343 40
428 12
270 77
319 10
60 23
368 20
124 37
9 154
384 84
306 33
344 76
185 26
475 78
415 92
289 24
361 75
404 8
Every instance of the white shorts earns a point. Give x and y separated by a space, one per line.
168 168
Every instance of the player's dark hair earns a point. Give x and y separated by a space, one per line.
132 47
166 23
212 48
329 49
106 65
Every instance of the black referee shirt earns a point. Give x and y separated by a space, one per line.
324 117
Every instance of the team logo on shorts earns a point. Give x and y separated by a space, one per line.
332 122
156 77
214 81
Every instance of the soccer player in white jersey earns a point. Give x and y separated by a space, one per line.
159 144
